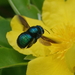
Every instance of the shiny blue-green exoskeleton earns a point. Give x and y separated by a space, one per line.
31 35
28 38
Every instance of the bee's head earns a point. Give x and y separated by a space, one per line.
40 29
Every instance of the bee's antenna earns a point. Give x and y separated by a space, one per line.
47 31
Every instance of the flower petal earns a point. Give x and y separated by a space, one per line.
16 24
70 58
57 12
47 66
37 49
12 39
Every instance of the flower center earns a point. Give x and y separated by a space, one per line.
66 35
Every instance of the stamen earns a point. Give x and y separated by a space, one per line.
65 34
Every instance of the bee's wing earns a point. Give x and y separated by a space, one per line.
47 41
31 43
24 23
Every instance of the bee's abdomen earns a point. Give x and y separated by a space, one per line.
23 40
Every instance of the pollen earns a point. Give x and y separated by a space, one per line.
66 35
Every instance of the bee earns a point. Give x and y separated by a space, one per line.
31 35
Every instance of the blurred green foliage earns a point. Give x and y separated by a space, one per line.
29 8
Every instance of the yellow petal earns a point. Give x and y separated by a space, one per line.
70 58
47 66
58 12
37 49
12 39
17 26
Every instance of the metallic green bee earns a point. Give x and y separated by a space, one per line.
31 35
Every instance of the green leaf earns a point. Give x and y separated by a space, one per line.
23 7
38 3
20 70
4 28
29 57
10 57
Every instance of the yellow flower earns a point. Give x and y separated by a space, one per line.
58 17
